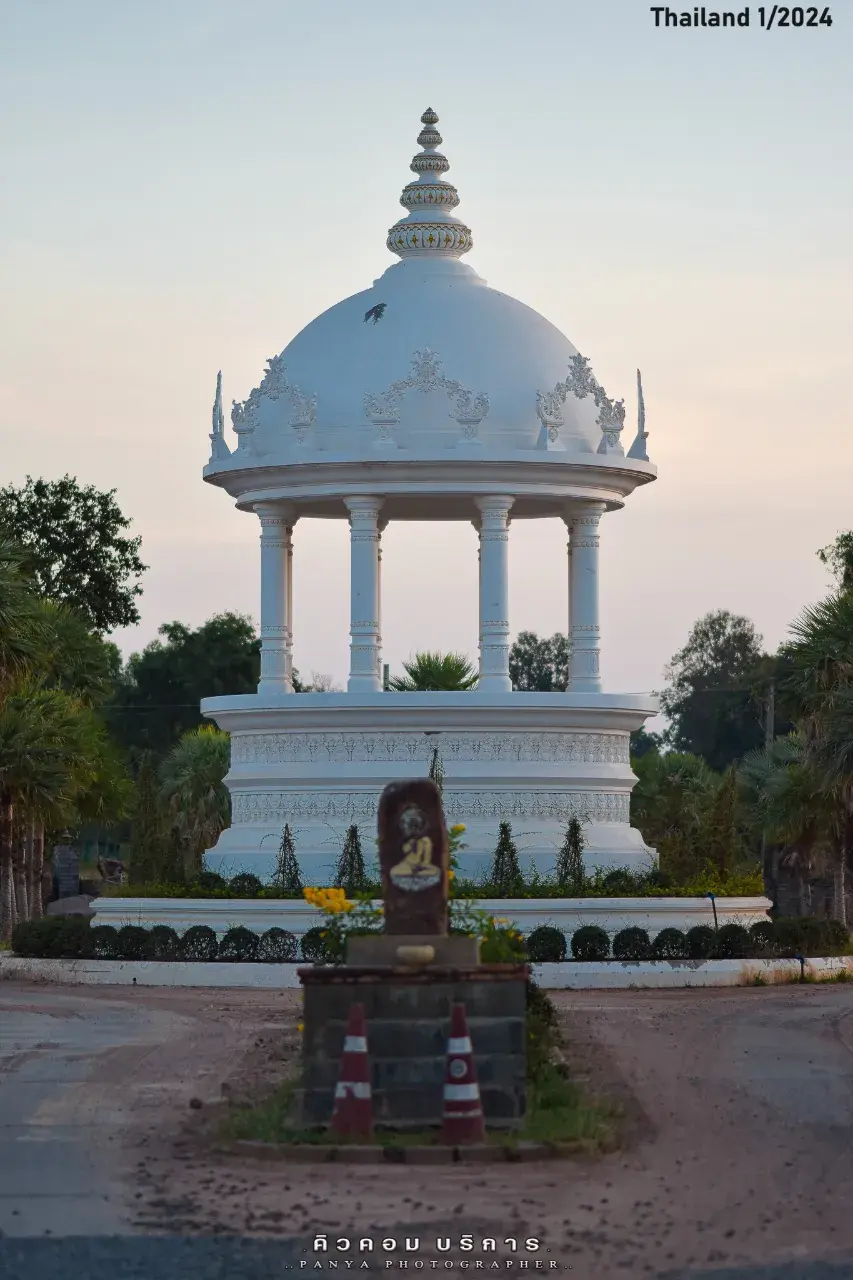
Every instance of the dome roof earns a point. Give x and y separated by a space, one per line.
429 363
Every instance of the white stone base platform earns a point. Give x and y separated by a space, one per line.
320 761
572 976
568 914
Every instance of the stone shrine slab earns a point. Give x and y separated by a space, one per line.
414 859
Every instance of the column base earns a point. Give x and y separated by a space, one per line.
275 685
493 684
364 684
584 684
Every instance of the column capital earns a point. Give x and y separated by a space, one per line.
358 504
584 513
276 513
495 504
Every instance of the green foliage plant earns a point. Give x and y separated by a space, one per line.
199 943
238 944
505 874
632 944
570 872
165 943
590 942
447 672
277 946
245 885
669 944
700 942
732 942
134 943
313 945
103 942
546 944
351 874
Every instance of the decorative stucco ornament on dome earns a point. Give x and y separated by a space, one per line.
429 229
469 407
582 382
638 448
275 385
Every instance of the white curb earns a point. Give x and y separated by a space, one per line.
569 976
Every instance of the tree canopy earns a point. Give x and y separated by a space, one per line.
714 697
838 558
161 687
76 549
540 664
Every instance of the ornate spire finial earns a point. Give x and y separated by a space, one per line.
638 448
218 448
429 229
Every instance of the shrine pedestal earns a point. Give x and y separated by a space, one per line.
408 1022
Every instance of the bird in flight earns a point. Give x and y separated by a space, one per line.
375 313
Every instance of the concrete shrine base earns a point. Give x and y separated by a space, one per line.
408 1022
320 761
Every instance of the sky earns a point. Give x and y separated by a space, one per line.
185 186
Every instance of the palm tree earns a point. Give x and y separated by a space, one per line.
45 763
193 790
447 672
22 631
819 686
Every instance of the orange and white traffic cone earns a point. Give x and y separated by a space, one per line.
462 1120
352 1116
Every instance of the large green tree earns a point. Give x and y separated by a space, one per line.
540 664
716 690
161 687
75 543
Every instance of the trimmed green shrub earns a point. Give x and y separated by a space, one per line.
764 939
134 943
351 874
199 943
789 937
590 943
103 942
277 946
731 943
52 938
210 881
239 944
619 883
314 946
838 937
670 944
547 944
700 941
632 944
245 885
165 943
657 879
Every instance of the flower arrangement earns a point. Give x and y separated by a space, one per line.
342 915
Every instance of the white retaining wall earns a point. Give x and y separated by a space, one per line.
568 914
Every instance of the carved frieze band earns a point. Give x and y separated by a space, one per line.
549 748
360 806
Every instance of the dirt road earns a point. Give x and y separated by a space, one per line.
739 1147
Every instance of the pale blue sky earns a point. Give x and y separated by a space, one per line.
184 185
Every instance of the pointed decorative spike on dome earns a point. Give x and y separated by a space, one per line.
429 229
638 448
218 446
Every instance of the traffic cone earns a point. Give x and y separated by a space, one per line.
352 1116
462 1120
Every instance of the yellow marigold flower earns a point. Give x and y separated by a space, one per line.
300 1027
457 828
451 875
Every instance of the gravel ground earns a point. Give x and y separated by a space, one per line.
737 1157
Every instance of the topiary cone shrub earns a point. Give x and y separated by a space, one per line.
700 941
632 944
547 945
165 943
239 944
287 878
199 943
134 943
277 946
570 872
590 942
505 876
670 944
245 885
731 943
351 874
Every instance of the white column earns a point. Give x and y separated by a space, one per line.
494 594
288 619
583 606
276 640
365 639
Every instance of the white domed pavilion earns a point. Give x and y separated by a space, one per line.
428 396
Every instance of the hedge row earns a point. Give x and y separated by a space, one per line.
72 938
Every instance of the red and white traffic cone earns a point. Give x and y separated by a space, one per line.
352 1116
462 1121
